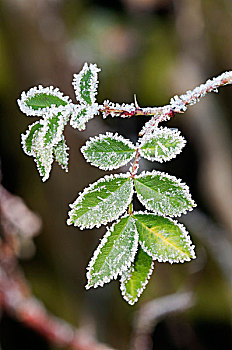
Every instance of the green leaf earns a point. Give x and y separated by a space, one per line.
53 127
163 238
162 145
81 114
28 139
43 159
109 151
134 281
61 153
85 84
39 100
102 202
115 253
163 194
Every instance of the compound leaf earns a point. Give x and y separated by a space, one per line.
61 153
102 202
115 253
109 151
163 238
134 281
85 84
162 145
163 194
39 100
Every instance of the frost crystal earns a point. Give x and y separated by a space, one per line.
115 253
163 194
108 151
102 202
116 110
81 114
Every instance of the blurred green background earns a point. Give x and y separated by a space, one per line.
156 49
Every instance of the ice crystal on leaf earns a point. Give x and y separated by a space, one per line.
163 194
61 153
81 114
39 100
135 279
162 145
163 238
115 253
85 84
28 139
109 151
102 202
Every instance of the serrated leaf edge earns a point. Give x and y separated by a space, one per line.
94 82
165 132
102 137
98 251
186 237
125 278
89 188
50 90
183 185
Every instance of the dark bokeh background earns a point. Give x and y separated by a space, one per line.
156 49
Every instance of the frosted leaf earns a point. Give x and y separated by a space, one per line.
164 239
134 280
28 139
109 151
61 153
81 114
85 84
163 194
115 253
43 158
53 127
39 100
102 202
162 145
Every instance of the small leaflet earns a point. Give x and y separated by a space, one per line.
163 239
134 280
162 145
81 114
61 153
115 253
85 84
39 100
109 151
43 159
163 194
102 202
28 139
53 127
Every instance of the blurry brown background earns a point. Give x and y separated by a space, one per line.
156 49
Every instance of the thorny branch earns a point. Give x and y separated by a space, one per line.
18 223
178 104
